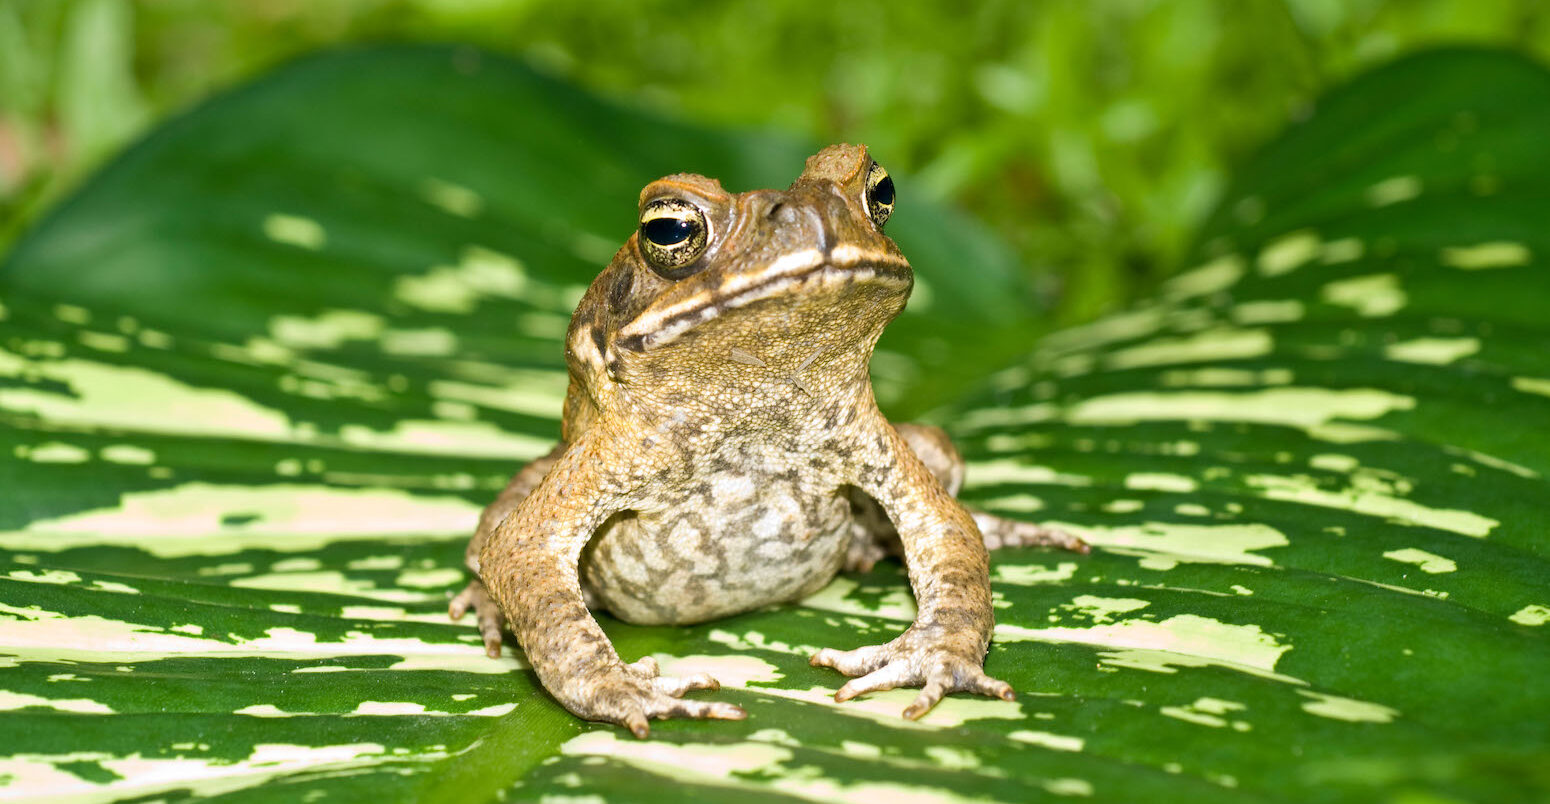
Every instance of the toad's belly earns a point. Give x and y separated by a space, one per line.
714 558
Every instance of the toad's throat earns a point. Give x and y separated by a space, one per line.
807 270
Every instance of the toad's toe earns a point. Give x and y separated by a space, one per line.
491 623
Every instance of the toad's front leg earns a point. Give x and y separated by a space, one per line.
943 651
529 565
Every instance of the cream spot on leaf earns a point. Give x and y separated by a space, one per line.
20 700
1102 610
1428 562
1214 344
1336 707
295 230
1165 545
128 454
196 519
1346 249
1032 574
329 329
731 671
1058 742
1372 502
1160 481
1495 254
137 400
1432 351
1372 296
1531 615
1184 640
1288 252
454 199
1393 190
1217 275
1268 311
1532 385
1290 406
1207 712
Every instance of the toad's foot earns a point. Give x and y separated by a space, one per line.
491 623
911 660
631 694
1000 533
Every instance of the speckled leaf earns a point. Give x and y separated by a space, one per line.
257 378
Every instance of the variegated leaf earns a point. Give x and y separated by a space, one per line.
258 377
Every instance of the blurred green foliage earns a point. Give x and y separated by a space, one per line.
1093 136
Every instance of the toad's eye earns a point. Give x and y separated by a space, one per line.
879 195
673 235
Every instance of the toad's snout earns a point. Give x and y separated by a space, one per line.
809 217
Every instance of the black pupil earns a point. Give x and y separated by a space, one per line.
882 193
667 231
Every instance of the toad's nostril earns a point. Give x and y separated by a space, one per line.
798 220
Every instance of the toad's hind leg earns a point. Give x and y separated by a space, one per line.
873 535
475 596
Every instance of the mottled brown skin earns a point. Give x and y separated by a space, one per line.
722 451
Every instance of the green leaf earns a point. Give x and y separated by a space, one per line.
258 377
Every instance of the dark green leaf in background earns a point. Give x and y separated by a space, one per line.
257 378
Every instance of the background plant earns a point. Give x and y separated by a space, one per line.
1093 137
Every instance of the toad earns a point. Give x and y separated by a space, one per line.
721 450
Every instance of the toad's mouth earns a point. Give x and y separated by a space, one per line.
803 271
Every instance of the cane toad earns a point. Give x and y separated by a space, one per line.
721 450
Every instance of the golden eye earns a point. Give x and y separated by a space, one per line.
673 235
879 195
